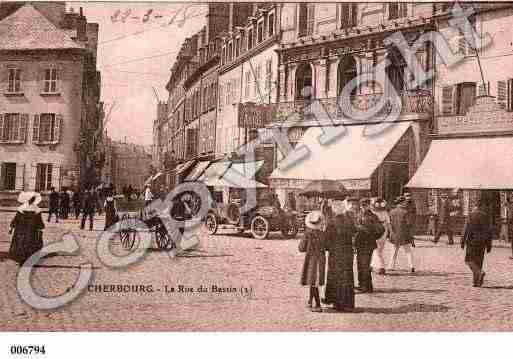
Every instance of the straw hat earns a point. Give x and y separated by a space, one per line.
24 197
314 220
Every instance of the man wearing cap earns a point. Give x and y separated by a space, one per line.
401 235
369 230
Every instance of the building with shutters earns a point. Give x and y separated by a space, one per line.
131 165
471 149
189 131
49 98
323 47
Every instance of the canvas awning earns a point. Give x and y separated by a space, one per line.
467 163
183 167
215 170
197 171
352 158
238 175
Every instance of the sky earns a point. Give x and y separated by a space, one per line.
136 56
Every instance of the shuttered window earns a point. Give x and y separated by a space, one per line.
13 127
302 19
8 176
397 10
447 100
44 176
14 80
310 22
502 94
348 15
46 128
51 81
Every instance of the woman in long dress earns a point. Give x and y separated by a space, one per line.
111 216
340 279
314 266
26 226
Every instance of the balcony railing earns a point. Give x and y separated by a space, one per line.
299 110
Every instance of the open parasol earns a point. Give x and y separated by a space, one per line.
325 189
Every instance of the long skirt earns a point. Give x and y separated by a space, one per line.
25 244
341 294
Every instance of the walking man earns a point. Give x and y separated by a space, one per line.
77 202
401 235
448 212
369 230
477 238
88 209
53 205
380 210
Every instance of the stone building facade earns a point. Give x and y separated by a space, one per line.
131 165
473 134
324 46
49 102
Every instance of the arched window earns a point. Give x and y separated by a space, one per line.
346 71
304 84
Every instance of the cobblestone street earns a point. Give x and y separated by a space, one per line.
439 296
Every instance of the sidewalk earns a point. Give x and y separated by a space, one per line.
14 209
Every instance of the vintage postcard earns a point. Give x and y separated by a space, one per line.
268 166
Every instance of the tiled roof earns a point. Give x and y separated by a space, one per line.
28 29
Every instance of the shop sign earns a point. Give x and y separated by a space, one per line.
484 116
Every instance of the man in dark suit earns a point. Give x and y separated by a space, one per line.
88 209
477 238
370 230
53 205
447 215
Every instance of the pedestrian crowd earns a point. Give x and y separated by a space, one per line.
359 233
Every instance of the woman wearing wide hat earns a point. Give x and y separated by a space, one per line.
314 266
27 226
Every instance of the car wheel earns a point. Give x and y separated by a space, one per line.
260 227
211 223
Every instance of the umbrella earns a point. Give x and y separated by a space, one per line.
325 189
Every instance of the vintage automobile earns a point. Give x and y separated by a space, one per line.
260 221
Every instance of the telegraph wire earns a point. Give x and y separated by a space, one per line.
139 59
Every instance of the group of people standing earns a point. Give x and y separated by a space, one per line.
87 202
360 231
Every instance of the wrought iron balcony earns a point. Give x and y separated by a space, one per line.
410 103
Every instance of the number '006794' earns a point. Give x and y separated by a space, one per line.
27 349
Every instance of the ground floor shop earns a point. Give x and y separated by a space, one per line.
469 170
368 162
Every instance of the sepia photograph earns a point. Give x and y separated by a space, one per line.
255 167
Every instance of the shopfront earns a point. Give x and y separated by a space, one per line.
367 165
471 158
